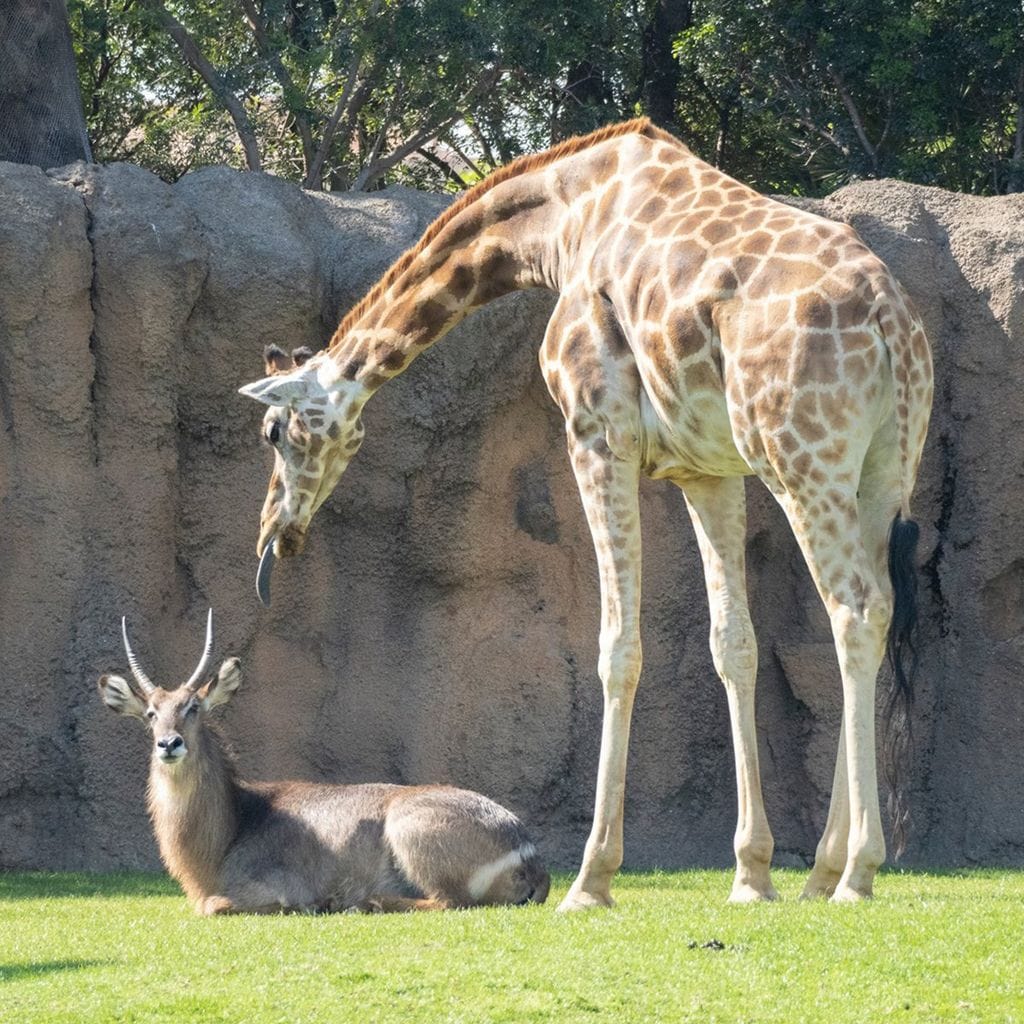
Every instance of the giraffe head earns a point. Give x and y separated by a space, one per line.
314 427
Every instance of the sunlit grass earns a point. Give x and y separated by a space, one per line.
126 948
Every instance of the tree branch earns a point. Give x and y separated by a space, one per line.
858 124
372 171
289 92
212 77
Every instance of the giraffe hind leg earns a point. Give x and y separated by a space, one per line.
840 543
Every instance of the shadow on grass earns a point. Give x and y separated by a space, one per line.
41 885
35 969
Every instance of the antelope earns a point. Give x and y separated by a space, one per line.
292 847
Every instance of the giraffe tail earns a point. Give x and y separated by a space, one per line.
901 645
901 648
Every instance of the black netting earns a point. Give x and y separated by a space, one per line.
41 119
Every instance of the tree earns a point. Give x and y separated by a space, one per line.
41 119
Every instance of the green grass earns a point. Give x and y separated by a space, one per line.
125 948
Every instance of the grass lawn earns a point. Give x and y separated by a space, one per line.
126 948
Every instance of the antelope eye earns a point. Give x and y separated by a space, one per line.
274 432
190 708
150 714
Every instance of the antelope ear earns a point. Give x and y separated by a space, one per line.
118 695
221 689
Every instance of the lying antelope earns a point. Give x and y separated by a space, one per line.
279 847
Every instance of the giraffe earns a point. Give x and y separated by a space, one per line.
702 333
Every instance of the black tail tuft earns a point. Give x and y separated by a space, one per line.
902 652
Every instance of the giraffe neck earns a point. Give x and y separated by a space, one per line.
500 243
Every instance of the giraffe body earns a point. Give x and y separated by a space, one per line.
702 333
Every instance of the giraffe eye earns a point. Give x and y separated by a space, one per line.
274 432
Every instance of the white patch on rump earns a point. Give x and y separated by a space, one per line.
483 878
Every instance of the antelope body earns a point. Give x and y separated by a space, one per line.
274 847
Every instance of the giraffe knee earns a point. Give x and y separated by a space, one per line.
620 663
734 650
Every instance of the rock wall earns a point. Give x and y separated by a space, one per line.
442 623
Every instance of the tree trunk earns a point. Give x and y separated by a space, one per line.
41 119
661 70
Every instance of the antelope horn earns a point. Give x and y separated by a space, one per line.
148 686
204 661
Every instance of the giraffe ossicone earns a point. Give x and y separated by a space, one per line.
702 333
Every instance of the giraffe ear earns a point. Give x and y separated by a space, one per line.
277 390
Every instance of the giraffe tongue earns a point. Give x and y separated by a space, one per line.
263 574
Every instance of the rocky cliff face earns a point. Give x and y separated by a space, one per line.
442 624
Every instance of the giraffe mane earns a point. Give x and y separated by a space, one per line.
521 165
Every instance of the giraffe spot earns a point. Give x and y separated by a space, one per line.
333 431
755 242
496 275
802 464
852 309
648 179
606 208
308 482
460 282
835 452
747 267
462 228
857 340
855 368
603 163
677 181
718 231
828 256
683 333
752 219
817 477
813 311
651 210
806 418
391 358
655 307
787 442
351 369
702 376
817 358
432 316
771 409
838 408
784 276
831 527
794 242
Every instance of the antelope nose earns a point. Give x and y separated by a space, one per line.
169 744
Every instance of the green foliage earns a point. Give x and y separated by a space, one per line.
125 948
791 95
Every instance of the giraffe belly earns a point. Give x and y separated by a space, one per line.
691 439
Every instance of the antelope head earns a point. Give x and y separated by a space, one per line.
174 716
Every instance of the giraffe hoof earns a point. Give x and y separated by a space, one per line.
746 893
821 884
579 900
847 894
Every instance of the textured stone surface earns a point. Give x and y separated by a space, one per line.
442 623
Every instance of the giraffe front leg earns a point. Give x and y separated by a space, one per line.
718 511
609 489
